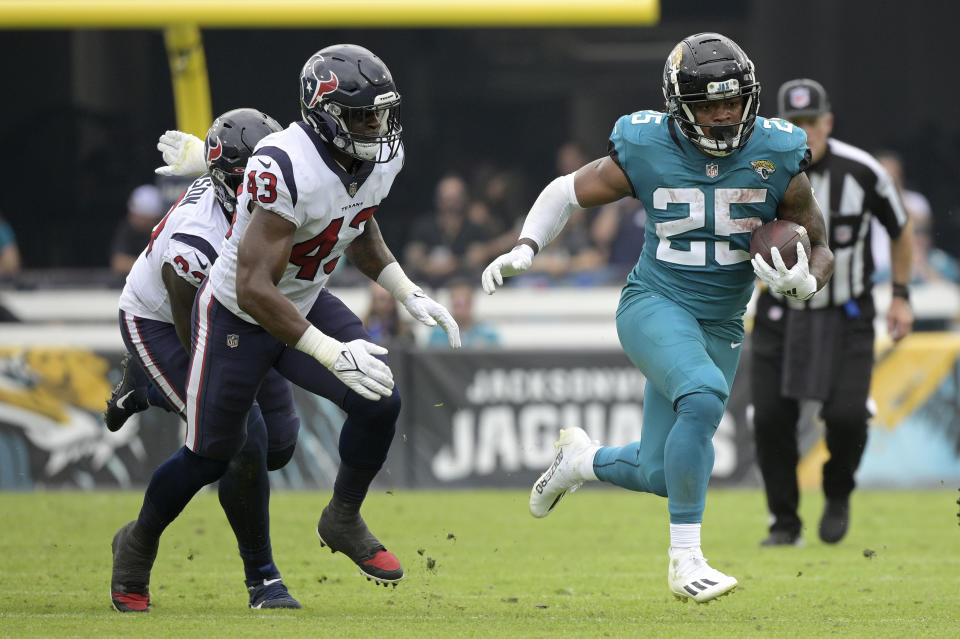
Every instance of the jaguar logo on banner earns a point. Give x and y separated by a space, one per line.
51 432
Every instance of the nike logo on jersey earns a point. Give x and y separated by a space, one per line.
200 262
266 165
735 344
123 399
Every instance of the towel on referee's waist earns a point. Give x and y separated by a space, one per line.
811 350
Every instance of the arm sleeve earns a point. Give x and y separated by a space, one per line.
550 212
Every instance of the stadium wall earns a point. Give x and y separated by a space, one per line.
471 418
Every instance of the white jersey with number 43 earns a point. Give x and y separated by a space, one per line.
294 175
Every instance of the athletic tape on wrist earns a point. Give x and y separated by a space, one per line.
320 346
396 281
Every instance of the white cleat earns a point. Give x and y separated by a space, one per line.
690 577
562 476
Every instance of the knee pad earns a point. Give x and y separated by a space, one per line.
283 429
384 411
277 459
704 407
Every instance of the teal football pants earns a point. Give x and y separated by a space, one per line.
689 367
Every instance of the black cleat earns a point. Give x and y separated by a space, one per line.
835 520
130 581
782 538
126 398
342 529
270 593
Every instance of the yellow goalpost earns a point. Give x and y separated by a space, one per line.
181 21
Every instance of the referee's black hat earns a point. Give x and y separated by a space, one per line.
802 97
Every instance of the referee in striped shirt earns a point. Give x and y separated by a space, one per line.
822 349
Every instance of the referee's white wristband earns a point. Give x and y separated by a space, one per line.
396 281
320 346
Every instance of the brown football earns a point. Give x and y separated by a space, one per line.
782 234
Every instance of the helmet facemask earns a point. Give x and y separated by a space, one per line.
225 186
724 139
355 138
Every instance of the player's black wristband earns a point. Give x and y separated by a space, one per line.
902 291
527 241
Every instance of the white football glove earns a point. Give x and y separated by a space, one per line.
431 313
363 373
796 282
509 264
183 154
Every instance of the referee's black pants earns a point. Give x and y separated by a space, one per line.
844 411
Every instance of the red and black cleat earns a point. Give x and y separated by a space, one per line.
130 580
342 529
130 601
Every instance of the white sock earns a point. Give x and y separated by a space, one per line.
584 465
684 537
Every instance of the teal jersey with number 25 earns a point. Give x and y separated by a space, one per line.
701 209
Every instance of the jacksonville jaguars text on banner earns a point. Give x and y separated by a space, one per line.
490 418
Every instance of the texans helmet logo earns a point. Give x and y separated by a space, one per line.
323 87
214 152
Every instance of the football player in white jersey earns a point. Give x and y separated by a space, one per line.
155 308
307 198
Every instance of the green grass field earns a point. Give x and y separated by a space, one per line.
479 566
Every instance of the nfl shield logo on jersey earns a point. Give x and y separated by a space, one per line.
233 340
713 170
352 189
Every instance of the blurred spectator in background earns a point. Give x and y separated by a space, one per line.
473 334
499 199
9 264
930 264
570 157
573 258
445 241
619 232
144 209
9 252
383 320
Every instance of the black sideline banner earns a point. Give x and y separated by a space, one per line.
489 418
469 419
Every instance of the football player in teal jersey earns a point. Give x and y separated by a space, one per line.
708 171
